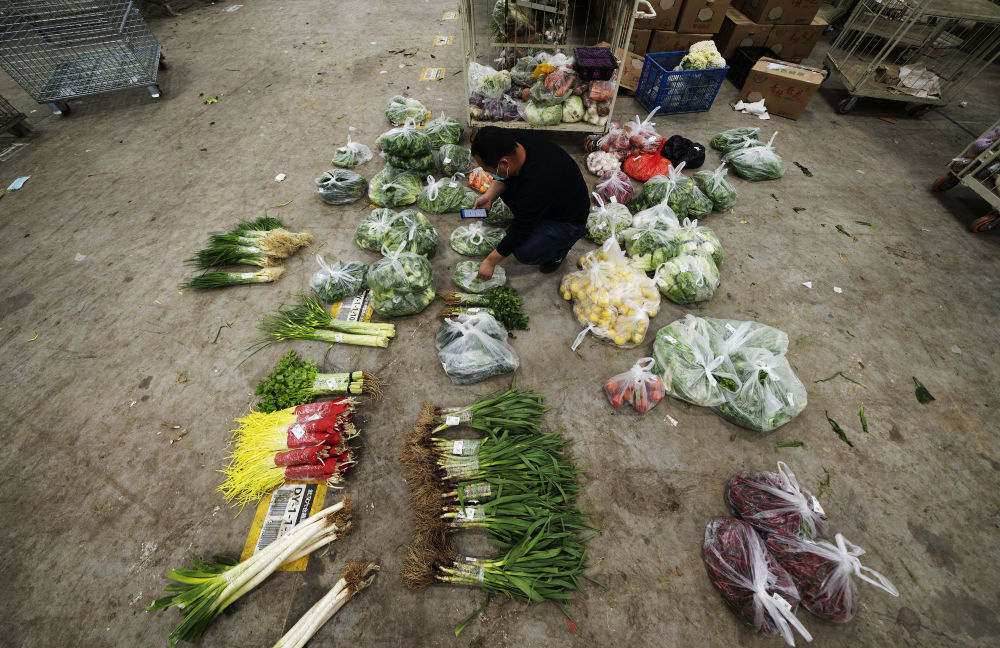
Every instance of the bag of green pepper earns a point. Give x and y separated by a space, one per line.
714 185
466 277
476 239
351 155
453 159
684 197
405 141
688 278
412 232
392 187
440 196
443 130
755 163
400 109
769 393
401 283
335 281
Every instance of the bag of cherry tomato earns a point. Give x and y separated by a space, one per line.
638 387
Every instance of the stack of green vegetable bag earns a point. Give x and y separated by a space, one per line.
407 148
443 130
401 283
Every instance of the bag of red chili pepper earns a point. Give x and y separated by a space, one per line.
756 588
638 387
775 502
822 573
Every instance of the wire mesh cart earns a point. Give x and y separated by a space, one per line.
58 50
500 33
12 120
978 168
921 52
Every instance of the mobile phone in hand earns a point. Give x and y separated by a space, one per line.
473 213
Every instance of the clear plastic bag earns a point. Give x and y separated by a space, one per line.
755 163
476 239
560 81
411 232
654 191
822 574
606 220
769 393
351 155
573 110
734 138
688 278
401 283
405 141
659 216
642 135
392 187
756 588
522 72
466 277
615 185
542 115
735 337
638 387
340 186
601 91
480 180
443 130
488 81
684 197
544 97
453 159
692 237
499 214
690 368
715 186
370 232
440 196
776 503
473 347
335 281
649 246
601 162
419 163
400 108
615 141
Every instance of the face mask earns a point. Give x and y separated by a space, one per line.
497 177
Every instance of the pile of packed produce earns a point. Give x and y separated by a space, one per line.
473 347
385 229
748 156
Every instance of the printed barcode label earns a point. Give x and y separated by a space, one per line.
452 420
247 275
289 505
456 447
729 327
785 605
817 508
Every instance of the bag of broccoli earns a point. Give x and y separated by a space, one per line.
335 281
440 196
411 232
688 278
473 347
453 159
755 163
714 185
684 197
340 186
476 239
371 231
351 155
499 214
648 247
541 115
523 71
392 187
769 394
401 283
405 141
734 138
399 109
466 277
654 191
443 130
692 237
690 369
606 220
423 162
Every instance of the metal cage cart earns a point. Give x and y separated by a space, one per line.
59 50
921 52
12 120
979 171
500 32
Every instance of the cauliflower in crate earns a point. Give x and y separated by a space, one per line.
702 55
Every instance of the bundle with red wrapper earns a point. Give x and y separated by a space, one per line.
822 574
307 443
754 585
775 502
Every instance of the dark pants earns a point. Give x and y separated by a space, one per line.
551 240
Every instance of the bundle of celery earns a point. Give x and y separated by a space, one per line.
355 577
204 592
517 412
296 381
502 302
263 242
309 320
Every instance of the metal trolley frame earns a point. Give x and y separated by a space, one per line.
979 173
58 50
921 52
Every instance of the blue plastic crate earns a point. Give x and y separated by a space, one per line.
684 91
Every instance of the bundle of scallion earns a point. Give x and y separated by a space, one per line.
517 412
355 577
204 592
502 302
223 279
309 320
296 381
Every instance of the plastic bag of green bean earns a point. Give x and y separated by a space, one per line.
453 159
755 163
734 138
351 154
443 130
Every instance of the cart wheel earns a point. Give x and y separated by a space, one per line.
916 110
846 106
944 183
154 90
985 223
590 144
163 62
59 108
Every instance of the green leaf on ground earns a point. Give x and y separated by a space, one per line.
840 432
923 396
805 171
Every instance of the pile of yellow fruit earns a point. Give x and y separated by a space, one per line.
612 298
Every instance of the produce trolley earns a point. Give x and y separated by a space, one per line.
12 120
922 52
58 50
499 32
981 173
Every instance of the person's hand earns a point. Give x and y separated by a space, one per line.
485 270
483 202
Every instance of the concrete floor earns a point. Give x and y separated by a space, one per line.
99 347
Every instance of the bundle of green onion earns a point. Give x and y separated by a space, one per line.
295 382
513 411
309 320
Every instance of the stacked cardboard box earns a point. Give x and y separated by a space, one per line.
739 31
789 28
795 42
785 87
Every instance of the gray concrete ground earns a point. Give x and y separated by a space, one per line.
100 347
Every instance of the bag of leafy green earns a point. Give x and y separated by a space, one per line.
411 232
714 185
690 369
522 72
654 191
692 237
423 162
755 163
543 97
453 159
401 283
769 393
473 347
476 239
466 277
405 141
392 187
684 197
542 116
351 154
734 138
648 247
499 214
340 186
400 108
440 196
371 231
572 110
468 199
688 278
488 81
335 281
443 130
606 220
735 338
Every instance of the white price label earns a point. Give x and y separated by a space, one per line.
297 430
785 605
452 420
247 275
817 508
729 327
337 337
456 448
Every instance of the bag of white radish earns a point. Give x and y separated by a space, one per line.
768 392
606 220
638 387
473 347
466 277
714 185
476 239
615 185
335 281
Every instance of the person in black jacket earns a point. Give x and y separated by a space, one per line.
544 189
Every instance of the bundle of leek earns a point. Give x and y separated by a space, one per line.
309 320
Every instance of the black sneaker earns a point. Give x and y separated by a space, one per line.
551 266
